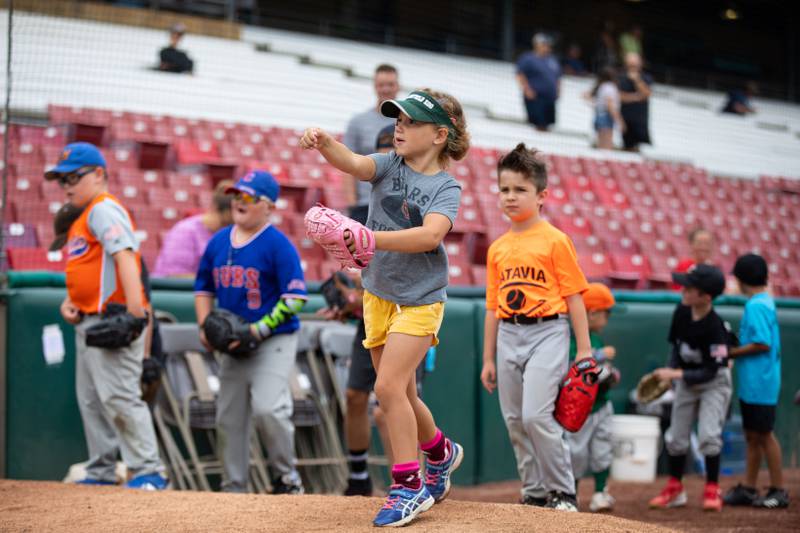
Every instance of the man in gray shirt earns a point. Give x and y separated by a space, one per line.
363 129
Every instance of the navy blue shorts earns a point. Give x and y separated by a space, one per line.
757 418
541 112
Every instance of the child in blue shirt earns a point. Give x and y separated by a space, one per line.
758 369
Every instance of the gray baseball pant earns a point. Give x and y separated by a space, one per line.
531 362
708 404
590 447
115 418
257 389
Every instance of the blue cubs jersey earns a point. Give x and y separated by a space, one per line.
249 279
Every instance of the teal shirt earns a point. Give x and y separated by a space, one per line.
759 375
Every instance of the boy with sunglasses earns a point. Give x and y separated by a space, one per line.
104 267
254 271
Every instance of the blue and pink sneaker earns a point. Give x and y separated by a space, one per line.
437 473
403 505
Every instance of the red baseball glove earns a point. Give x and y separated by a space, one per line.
327 227
577 394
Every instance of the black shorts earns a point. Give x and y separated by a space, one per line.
541 111
362 374
757 418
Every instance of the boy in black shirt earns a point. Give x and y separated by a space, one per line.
699 365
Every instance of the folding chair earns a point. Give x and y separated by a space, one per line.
319 445
187 402
336 345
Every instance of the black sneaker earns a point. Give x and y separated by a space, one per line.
562 501
740 495
358 487
288 484
533 501
775 499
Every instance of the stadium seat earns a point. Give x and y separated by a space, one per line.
20 235
459 272
628 270
595 266
35 259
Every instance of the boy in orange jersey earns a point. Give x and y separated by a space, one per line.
103 275
532 282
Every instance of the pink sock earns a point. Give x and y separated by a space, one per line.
436 448
407 474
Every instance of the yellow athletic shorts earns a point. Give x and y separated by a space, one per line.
382 317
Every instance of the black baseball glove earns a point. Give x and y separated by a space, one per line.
116 329
229 333
151 370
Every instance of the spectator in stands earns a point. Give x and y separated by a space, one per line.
170 58
702 245
606 53
538 74
185 243
573 64
739 100
605 96
630 42
363 129
635 93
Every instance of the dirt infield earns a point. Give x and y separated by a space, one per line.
632 504
39 506
43 506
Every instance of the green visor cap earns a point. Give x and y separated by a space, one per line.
420 106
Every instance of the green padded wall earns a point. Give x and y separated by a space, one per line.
44 432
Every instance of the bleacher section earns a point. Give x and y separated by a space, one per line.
234 82
628 220
168 138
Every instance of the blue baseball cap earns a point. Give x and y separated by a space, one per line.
75 156
257 183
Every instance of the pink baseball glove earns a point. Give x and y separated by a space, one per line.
326 227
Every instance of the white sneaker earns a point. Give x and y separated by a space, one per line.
601 502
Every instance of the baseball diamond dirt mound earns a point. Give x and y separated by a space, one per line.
632 501
44 506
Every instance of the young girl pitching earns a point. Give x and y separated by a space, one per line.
413 205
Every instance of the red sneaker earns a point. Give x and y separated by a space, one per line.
712 499
673 495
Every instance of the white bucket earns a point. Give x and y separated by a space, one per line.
635 442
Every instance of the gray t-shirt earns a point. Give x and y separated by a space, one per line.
400 199
361 136
112 226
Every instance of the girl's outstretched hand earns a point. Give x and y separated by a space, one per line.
314 139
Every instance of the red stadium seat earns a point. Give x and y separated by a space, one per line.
459 272
628 269
35 259
595 266
576 225
20 235
194 153
479 275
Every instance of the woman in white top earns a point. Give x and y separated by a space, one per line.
605 96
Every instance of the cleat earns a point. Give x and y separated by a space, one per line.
712 499
673 495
